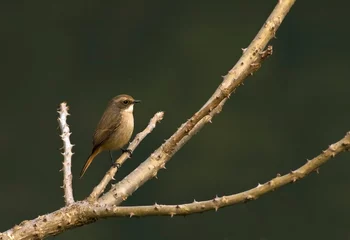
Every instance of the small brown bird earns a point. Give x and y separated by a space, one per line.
114 129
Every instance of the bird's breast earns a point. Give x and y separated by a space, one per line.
122 133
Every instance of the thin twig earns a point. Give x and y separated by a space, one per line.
224 201
250 62
67 153
98 190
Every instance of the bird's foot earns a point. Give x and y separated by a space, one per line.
116 165
127 150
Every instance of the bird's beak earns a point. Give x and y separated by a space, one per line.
137 101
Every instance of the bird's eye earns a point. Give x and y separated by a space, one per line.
126 102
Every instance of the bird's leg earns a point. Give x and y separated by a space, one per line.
110 154
114 164
127 150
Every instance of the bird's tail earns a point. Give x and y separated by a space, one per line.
89 161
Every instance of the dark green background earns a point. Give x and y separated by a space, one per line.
171 55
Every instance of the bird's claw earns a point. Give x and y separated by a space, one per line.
116 165
127 150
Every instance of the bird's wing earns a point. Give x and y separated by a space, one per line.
105 128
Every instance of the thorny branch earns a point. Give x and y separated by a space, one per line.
224 201
67 153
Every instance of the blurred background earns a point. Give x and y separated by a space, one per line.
171 55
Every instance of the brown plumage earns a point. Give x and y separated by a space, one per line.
114 128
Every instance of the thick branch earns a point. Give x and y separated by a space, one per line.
67 154
249 62
224 201
98 190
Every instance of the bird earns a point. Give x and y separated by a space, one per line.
114 129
